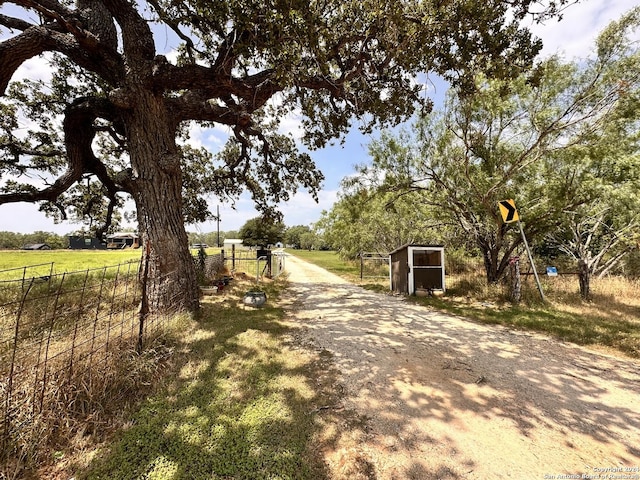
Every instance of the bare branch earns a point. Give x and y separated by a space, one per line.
14 23
176 28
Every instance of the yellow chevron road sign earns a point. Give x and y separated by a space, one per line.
508 211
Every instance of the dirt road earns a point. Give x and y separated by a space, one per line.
446 398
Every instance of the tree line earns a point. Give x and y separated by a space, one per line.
15 241
255 232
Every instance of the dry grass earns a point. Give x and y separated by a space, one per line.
609 320
69 364
238 404
78 407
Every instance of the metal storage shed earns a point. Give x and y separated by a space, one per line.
417 268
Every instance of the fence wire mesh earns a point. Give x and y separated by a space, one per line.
58 328
374 265
254 263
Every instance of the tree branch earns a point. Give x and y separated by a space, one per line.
16 50
14 23
136 35
176 28
79 134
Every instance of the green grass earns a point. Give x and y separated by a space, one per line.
347 269
239 405
610 320
330 261
591 327
63 261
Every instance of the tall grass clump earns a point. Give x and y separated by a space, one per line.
82 405
73 355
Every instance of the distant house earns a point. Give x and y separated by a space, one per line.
37 246
86 243
123 240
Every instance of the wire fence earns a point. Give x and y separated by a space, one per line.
466 276
258 263
373 265
58 328
559 279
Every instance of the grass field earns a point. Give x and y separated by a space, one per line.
63 261
330 261
610 320
38 263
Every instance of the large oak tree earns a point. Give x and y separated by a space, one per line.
115 107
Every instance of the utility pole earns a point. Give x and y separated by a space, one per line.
218 221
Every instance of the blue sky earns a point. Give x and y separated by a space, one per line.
573 37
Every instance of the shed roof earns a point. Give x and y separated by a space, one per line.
36 246
123 235
419 245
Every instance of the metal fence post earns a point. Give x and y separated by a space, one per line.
144 303
8 399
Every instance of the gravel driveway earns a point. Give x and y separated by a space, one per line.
446 398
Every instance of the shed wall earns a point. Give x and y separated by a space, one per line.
400 271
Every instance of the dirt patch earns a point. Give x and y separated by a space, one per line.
425 395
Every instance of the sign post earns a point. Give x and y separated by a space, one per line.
510 215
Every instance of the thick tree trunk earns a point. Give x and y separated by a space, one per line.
490 257
157 188
584 278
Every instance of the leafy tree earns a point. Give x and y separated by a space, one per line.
311 241
598 241
294 235
10 240
116 112
604 230
231 234
261 231
369 221
537 139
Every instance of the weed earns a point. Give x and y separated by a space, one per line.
87 402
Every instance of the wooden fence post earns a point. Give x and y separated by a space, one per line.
144 303
516 284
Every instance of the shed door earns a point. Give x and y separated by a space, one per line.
427 269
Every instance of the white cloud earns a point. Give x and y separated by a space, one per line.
26 218
302 209
37 68
292 125
574 36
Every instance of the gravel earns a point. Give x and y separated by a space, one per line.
442 397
